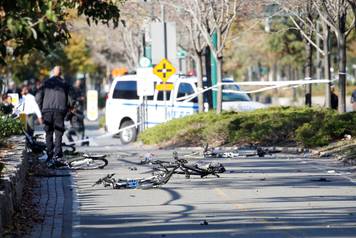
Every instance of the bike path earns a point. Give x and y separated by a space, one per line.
257 197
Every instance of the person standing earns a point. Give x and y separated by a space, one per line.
53 100
29 106
78 94
353 100
6 106
76 114
76 118
334 98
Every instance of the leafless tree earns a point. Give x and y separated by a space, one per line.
197 47
195 43
119 47
305 24
334 13
215 17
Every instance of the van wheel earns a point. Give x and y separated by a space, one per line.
129 135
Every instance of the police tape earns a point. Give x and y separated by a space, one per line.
270 85
104 135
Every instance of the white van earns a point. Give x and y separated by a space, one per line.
123 103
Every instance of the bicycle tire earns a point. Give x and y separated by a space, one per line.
94 156
87 163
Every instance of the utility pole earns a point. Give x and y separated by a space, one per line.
209 94
164 25
214 73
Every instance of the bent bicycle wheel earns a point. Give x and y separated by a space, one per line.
87 163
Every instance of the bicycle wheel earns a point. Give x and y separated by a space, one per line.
87 163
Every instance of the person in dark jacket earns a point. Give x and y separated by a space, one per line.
334 98
76 118
79 94
53 100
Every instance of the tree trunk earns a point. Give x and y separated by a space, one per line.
275 98
199 68
327 72
308 73
219 66
342 72
295 77
318 62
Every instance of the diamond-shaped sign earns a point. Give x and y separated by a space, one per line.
164 70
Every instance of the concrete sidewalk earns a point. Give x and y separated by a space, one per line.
53 195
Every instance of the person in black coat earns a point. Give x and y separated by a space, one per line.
334 98
76 118
54 102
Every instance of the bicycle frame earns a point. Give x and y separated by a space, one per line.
143 183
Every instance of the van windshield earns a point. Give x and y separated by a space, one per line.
230 96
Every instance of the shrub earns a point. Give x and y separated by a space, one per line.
102 122
273 126
9 126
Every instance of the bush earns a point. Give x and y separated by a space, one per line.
273 126
102 122
9 126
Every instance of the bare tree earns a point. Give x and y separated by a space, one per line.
305 18
195 44
121 46
334 13
214 17
197 47
306 27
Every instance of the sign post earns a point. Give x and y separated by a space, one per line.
145 87
164 70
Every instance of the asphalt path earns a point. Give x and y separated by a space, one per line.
284 196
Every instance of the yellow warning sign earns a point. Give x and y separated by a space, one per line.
164 70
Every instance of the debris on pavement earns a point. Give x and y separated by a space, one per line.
343 150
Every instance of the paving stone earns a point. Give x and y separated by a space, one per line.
52 200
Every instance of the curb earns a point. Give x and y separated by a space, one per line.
12 180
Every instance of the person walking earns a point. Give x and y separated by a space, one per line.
53 100
29 106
